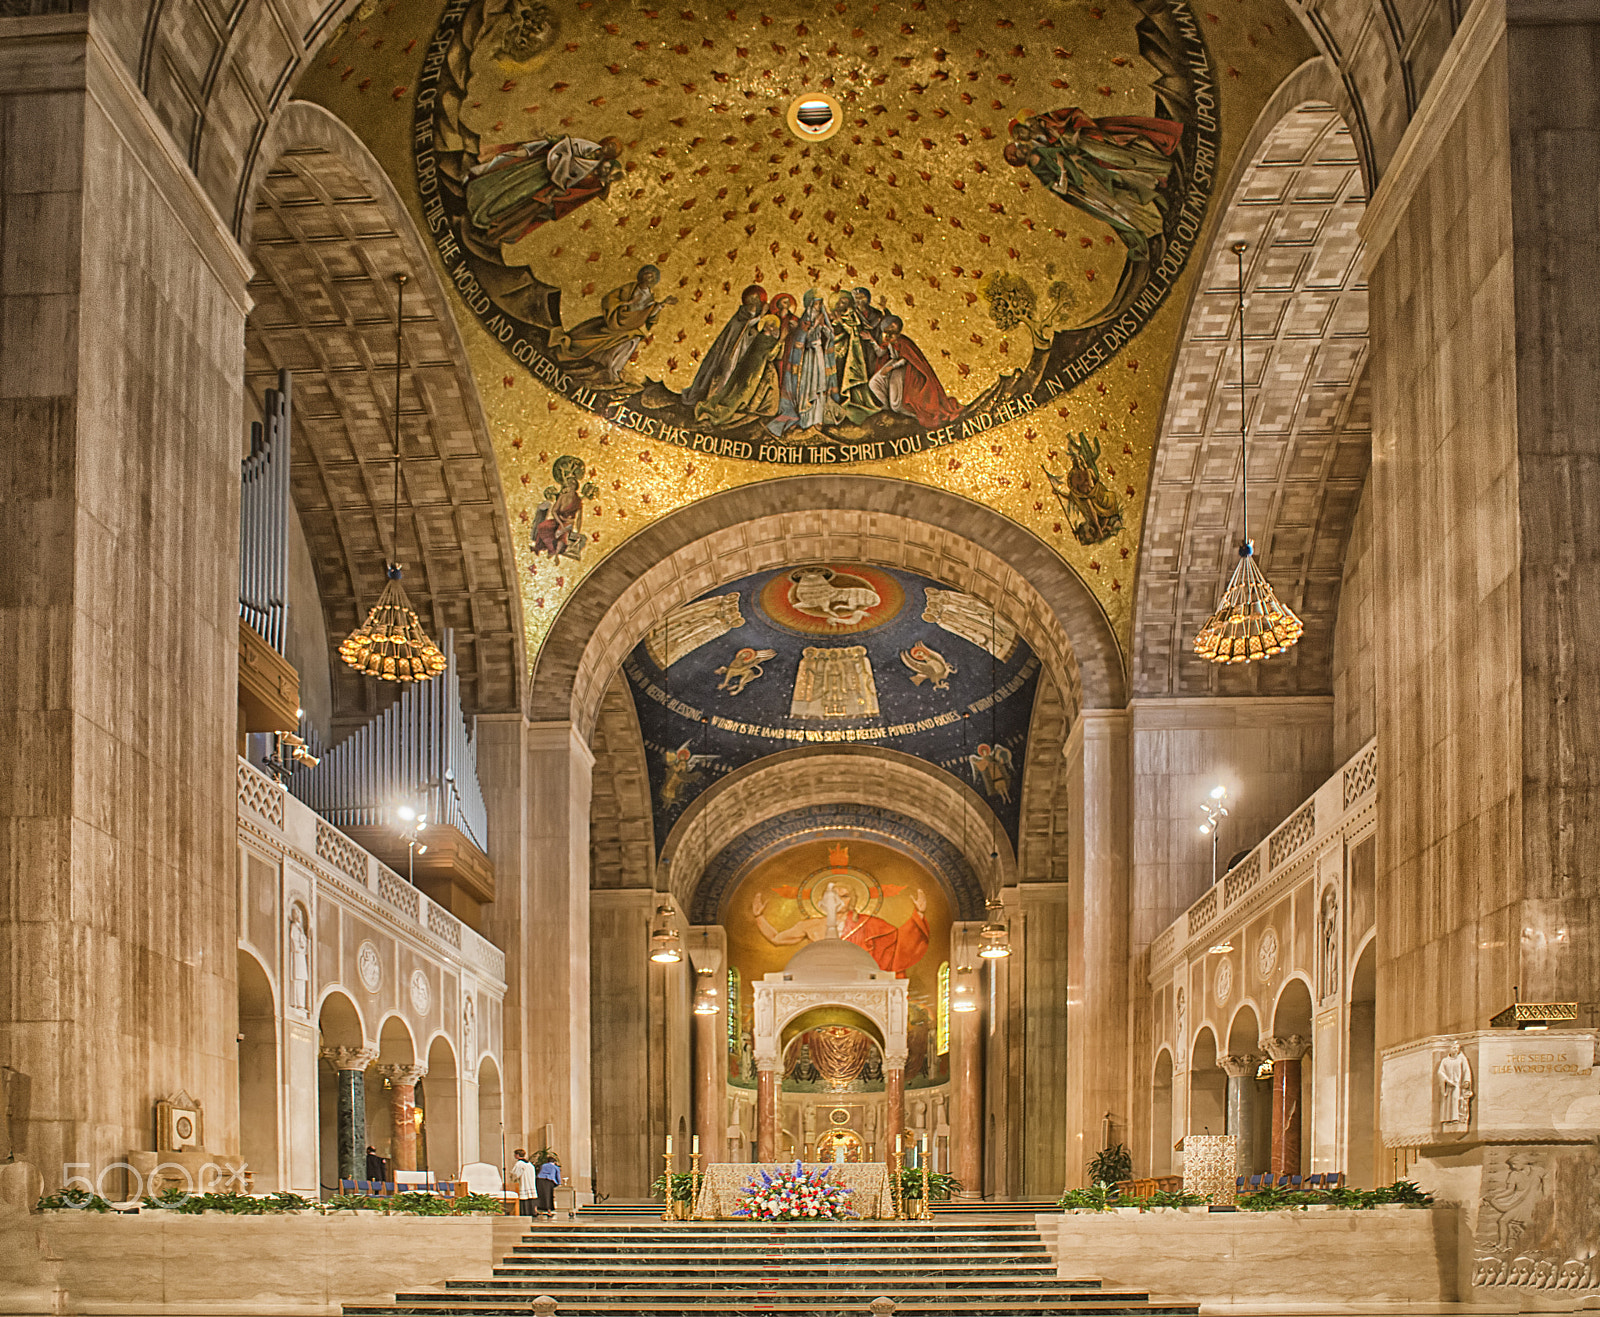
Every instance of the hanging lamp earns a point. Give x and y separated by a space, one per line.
666 946
1250 623
994 939
391 644
965 996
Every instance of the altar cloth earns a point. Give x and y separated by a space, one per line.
724 1183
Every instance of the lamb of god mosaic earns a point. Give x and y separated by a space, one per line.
867 230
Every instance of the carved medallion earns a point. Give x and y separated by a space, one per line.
1267 953
421 993
1224 980
369 966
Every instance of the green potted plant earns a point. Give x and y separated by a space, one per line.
1111 1165
683 1189
941 1187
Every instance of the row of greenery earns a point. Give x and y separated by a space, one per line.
941 1187
234 1204
1104 1197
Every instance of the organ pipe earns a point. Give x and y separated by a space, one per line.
418 751
264 520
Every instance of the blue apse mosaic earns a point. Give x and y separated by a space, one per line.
833 653
846 822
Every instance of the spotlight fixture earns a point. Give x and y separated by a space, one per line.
391 644
1215 808
1220 949
666 947
1250 623
414 823
964 996
995 938
289 752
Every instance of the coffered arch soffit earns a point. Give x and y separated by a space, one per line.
327 234
801 519
1296 203
621 824
850 790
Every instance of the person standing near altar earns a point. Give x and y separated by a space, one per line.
549 1176
526 1179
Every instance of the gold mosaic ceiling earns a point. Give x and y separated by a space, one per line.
1017 299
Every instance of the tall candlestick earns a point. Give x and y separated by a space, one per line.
666 1178
927 1199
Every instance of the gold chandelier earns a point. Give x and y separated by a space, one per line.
1251 622
391 644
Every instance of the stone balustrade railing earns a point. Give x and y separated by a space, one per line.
1278 858
323 849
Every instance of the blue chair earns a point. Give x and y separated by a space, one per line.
1255 1181
347 1186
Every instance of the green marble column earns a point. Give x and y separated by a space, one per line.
352 1063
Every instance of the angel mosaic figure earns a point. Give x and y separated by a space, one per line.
992 767
683 770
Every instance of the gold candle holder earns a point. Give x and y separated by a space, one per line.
894 1183
694 1180
666 1158
926 1214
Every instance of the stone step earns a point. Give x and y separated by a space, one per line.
773 1266
642 1254
756 1303
506 1288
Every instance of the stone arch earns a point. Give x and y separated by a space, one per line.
397 1042
1292 1012
327 232
1236 1040
621 824
809 781
336 1030
1296 198
806 518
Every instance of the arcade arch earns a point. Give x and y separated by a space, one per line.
259 1117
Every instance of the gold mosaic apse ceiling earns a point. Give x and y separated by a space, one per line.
975 280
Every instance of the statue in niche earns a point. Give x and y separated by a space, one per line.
1329 925
1181 1041
1455 1087
469 1029
299 959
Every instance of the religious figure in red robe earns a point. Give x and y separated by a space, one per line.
896 949
903 381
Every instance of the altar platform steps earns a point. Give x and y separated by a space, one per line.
726 1269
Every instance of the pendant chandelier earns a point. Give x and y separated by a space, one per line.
391 644
1250 623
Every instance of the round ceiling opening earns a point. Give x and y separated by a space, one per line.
814 117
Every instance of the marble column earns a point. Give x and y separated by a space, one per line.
1241 1115
555 936
768 1088
710 1062
352 1063
966 1066
706 946
1285 1053
403 1113
123 301
894 1091
1098 1072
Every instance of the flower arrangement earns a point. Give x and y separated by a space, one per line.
797 1195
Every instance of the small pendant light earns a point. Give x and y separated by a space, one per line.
1250 623
391 644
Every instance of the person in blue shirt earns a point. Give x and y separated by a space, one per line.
549 1178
